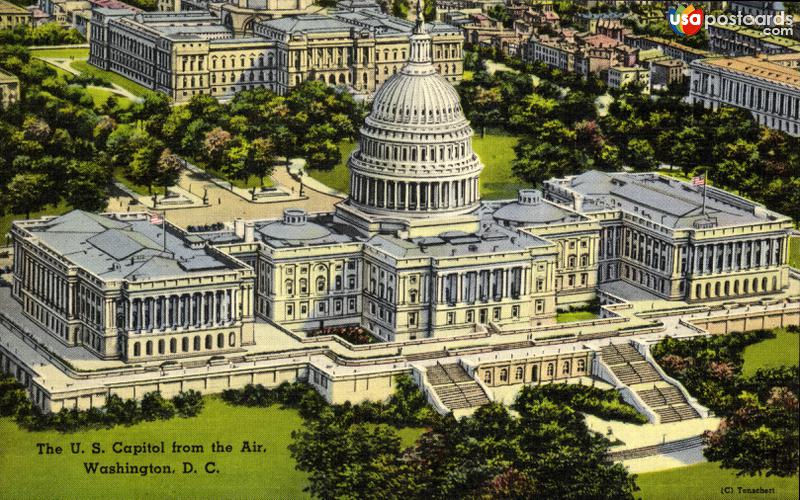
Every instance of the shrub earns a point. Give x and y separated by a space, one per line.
155 407
188 404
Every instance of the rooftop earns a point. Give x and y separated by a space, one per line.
492 238
10 8
756 67
664 200
121 246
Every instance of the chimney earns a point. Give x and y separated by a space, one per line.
238 227
249 232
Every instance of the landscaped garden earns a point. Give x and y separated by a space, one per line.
354 334
241 475
60 53
745 379
707 480
129 85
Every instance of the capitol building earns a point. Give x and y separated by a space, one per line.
412 253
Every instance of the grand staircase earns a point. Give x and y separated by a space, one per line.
454 387
633 370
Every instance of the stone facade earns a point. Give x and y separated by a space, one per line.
9 89
659 235
191 52
104 282
12 16
769 90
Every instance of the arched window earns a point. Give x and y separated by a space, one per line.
487 376
321 284
303 285
551 369
503 375
220 340
185 344
209 342
289 286
565 369
232 339
148 347
161 346
581 365
137 349
520 372
173 346
197 343
535 373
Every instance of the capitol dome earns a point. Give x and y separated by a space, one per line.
415 157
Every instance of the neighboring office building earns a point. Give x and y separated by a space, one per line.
666 71
667 47
187 53
744 40
12 15
770 91
9 89
621 76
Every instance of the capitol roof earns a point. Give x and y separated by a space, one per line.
124 246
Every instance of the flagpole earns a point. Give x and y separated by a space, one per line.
705 184
164 228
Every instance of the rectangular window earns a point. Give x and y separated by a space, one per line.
412 319
539 306
495 313
451 318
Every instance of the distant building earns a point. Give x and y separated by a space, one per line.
666 71
769 90
743 41
589 21
12 15
77 14
9 89
668 47
190 52
621 76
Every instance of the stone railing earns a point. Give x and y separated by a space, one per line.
644 350
604 372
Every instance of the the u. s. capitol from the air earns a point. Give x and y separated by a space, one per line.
462 293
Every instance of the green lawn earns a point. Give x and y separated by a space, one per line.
65 53
569 317
100 96
339 177
5 219
496 151
783 350
794 252
706 481
241 475
132 87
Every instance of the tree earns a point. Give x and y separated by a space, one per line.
429 10
400 8
689 148
87 185
144 167
155 407
640 156
189 403
27 193
169 167
261 158
215 145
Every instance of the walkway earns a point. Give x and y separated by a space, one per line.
225 206
66 66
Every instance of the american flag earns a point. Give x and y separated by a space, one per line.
699 180
155 218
